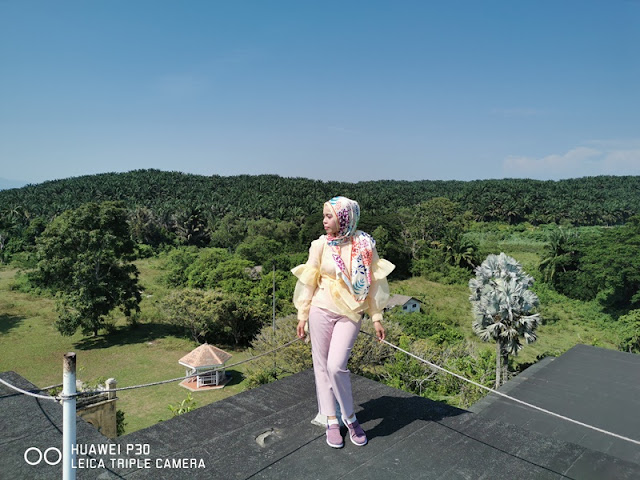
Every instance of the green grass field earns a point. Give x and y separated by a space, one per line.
566 322
33 348
149 352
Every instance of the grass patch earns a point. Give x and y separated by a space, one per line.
566 322
447 303
148 352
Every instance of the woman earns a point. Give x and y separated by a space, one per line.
342 279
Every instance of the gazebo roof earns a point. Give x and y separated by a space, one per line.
205 356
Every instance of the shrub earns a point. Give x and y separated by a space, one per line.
630 332
411 375
120 423
184 406
292 359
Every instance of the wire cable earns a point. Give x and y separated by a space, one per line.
433 365
162 382
491 390
151 384
25 392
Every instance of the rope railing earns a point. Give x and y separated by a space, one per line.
28 393
144 385
416 357
504 395
176 379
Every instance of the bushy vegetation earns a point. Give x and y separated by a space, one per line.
287 361
220 244
184 406
602 265
462 358
630 332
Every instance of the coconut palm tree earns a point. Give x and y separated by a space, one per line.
559 253
459 251
503 308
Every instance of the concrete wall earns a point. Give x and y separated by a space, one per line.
100 411
101 415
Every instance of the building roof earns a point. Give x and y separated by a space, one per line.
31 422
205 356
596 386
397 300
265 433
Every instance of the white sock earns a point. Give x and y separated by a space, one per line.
352 418
332 421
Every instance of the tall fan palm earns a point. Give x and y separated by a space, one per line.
503 308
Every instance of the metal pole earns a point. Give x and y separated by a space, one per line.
69 417
273 318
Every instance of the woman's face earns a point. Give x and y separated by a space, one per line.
329 220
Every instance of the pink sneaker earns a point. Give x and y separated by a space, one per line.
356 434
334 439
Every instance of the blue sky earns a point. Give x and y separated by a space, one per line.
330 90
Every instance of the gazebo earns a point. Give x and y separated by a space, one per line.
207 363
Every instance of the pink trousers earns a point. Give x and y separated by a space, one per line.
332 338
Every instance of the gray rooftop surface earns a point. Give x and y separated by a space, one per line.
409 437
596 386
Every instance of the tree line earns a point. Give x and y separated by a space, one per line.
183 209
602 200
221 258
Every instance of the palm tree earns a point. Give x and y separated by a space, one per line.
503 308
459 251
558 253
190 227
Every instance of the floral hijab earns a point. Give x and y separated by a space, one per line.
358 280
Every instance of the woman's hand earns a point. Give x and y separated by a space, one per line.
300 329
379 330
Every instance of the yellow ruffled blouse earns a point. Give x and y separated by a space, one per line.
319 286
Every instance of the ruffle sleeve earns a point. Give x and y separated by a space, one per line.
308 275
382 268
379 289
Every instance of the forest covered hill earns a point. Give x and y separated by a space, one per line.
603 200
204 237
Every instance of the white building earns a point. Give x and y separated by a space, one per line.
408 304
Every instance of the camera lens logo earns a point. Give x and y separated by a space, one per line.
51 456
